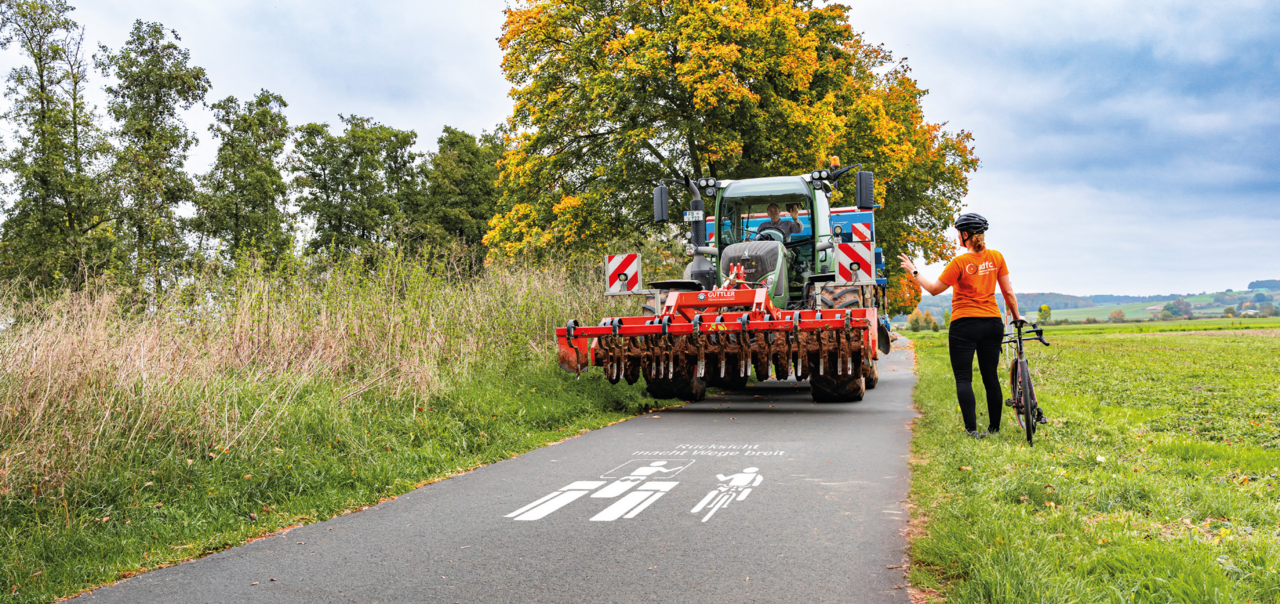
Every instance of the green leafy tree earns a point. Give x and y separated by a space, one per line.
946 318
462 188
1229 311
915 320
355 186
244 198
1179 308
154 82
610 96
1045 314
56 229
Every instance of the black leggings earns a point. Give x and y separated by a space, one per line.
983 335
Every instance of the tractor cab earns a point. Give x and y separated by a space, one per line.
765 225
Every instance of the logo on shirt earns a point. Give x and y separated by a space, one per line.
980 269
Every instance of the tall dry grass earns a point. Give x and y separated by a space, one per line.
213 364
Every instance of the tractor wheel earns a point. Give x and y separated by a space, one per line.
831 388
871 375
653 303
685 385
839 297
731 379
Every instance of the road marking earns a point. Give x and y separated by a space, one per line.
628 475
546 505
734 487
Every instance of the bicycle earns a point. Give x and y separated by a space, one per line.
1026 407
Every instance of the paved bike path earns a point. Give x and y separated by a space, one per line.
795 502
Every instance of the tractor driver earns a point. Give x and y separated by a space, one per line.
787 227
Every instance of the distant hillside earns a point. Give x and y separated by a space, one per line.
1100 307
1104 299
935 304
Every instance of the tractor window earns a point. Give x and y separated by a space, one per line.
749 205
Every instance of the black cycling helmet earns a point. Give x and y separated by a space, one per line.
971 223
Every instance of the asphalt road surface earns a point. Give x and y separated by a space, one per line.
759 496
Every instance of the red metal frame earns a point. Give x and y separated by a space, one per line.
576 343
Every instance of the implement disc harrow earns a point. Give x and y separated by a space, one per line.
715 337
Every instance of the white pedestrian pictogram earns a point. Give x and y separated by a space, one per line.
636 476
633 474
734 487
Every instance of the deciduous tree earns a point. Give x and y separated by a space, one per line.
154 81
356 185
244 198
56 230
611 96
462 190
1045 314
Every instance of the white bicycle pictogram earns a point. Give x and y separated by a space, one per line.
734 487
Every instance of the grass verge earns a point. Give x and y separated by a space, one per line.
133 439
1155 482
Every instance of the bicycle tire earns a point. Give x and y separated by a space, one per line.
1027 400
1015 395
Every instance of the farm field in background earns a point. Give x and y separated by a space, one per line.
1155 482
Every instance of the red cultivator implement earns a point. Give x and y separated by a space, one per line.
715 337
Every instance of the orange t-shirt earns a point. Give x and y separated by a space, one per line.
973 277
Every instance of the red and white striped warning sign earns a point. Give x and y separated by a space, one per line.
860 231
622 272
853 263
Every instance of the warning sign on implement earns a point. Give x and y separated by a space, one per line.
622 272
853 263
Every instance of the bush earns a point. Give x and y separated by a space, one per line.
1090 321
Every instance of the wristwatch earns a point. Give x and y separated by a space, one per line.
914 273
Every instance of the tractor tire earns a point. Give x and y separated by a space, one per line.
839 297
652 307
685 385
731 379
837 389
871 375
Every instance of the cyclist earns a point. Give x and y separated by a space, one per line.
975 317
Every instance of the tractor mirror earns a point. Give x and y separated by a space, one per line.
660 202
866 191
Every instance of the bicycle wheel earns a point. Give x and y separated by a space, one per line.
1015 397
1027 401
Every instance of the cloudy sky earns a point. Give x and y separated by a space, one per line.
1127 147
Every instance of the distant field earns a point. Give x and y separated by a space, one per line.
1167 326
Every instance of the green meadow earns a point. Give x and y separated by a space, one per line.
1156 480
